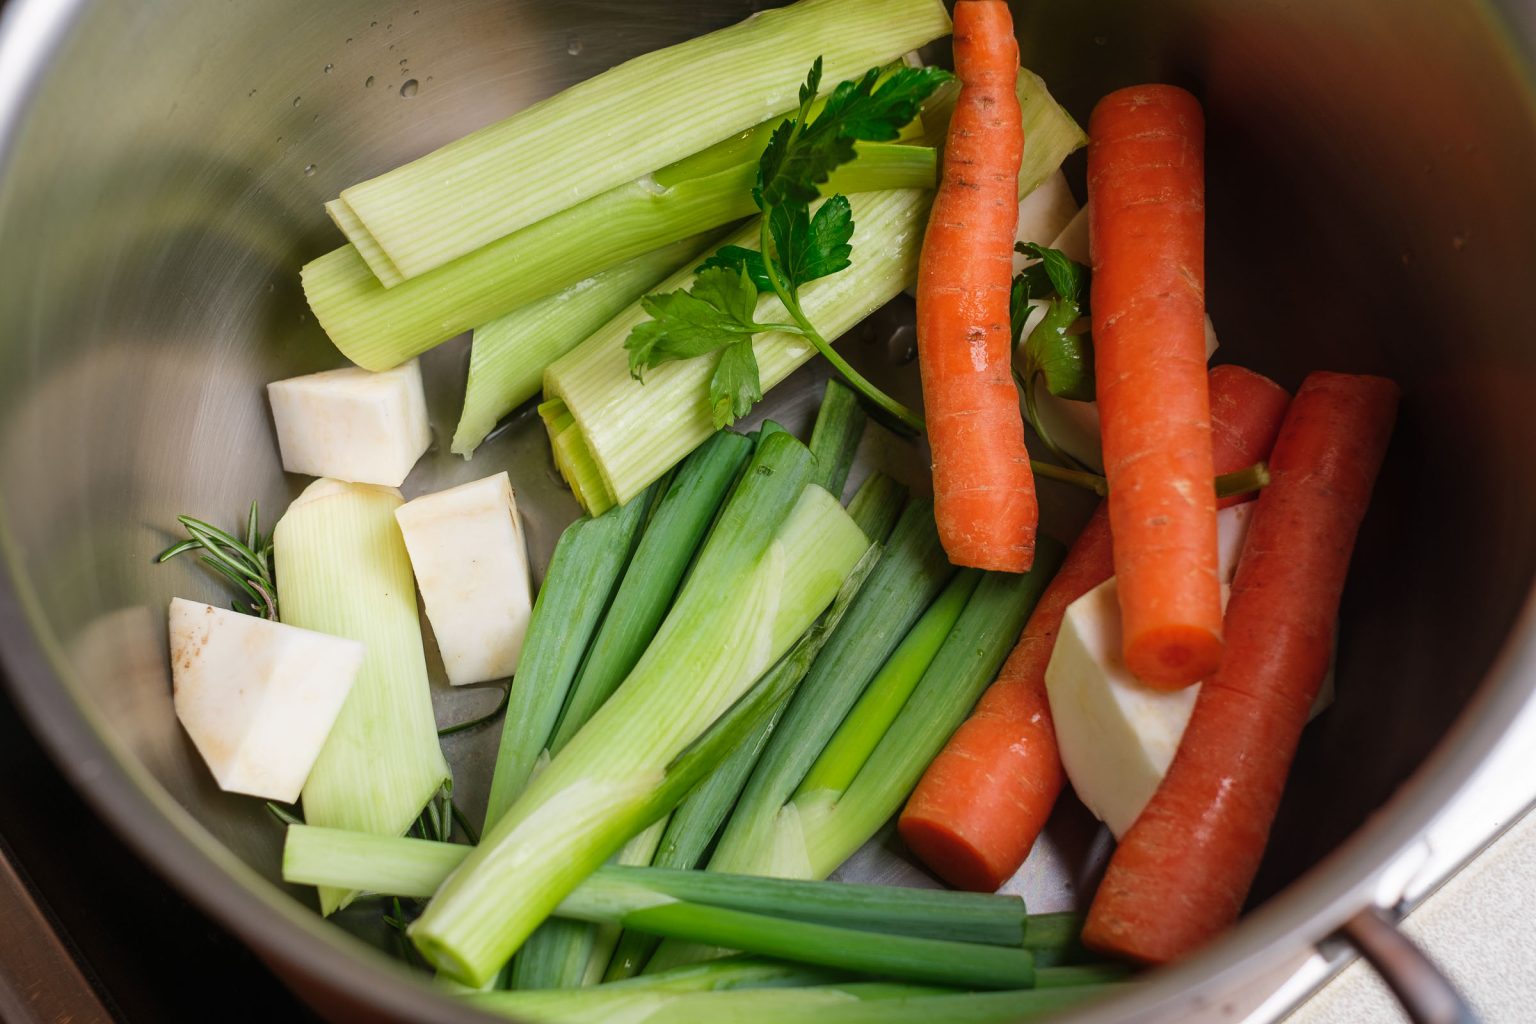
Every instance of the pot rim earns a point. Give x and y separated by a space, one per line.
285 933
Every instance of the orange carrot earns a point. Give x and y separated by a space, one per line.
981 804
1182 871
983 489
1146 195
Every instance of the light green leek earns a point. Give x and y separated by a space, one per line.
507 356
342 569
775 560
646 113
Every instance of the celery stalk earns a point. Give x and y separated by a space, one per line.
378 327
585 568
342 569
647 112
672 406
508 355
775 560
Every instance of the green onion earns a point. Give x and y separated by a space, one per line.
887 693
378 327
835 437
682 515
643 906
1056 939
835 824
582 573
859 1005
877 504
776 558
342 569
608 1003
508 355
910 575
642 114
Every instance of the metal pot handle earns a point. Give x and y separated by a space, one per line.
1427 995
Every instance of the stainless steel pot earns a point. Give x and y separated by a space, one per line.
1372 207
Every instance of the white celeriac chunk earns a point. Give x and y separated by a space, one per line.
257 697
1117 737
351 424
471 563
1075 425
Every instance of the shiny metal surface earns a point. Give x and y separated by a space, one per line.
1427 995
1372 205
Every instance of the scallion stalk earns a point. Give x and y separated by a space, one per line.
649 111
342 569
776 558
588 560
507 356
612 1002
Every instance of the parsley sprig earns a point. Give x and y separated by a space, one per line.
1057 351
796 246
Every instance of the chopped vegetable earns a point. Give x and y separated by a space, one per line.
985 798
650 110
719 311
257 697
508 355
774 561
584 570
471 563
342 569
631 434
1146 187
835 437
349 424
1182 872
984 492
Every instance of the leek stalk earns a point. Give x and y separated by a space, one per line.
765 1005
775 559
378 327
648 112
342 569
583 571
835 437
507 355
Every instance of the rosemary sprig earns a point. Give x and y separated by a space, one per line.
247 563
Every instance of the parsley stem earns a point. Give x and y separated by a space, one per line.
1091 481
1242 481
907 418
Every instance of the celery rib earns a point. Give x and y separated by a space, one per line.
537 162
508 355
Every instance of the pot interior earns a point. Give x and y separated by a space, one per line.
1371 177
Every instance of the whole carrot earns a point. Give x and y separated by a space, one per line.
983 801
1146 191
983 490
1182 872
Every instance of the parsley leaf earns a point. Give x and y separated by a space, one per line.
802 152
1054 350
738 257
735 386
810 247
717 311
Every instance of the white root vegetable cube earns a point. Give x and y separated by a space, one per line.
257 697
471 563
352 425
1117 737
